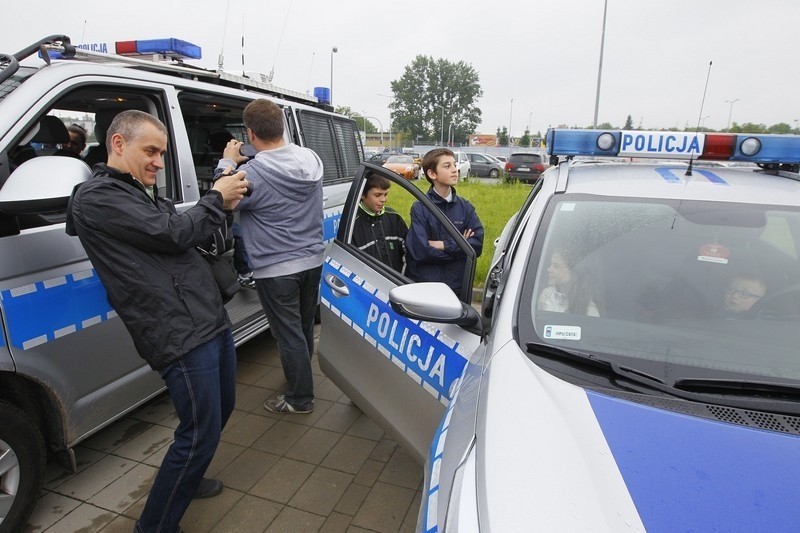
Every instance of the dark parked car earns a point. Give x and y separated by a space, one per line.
483 165
526 166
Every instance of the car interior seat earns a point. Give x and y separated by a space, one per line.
102 121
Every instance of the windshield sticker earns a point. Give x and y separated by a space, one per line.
714 253
571 333
568 206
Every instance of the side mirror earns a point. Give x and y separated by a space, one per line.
42 184
434 302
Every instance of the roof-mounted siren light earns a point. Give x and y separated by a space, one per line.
171 47
323 95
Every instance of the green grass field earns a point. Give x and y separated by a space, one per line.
494 203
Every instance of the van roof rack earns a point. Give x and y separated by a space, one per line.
169 62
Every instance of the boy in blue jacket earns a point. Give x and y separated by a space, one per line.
432 254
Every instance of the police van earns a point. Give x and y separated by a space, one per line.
67 364
635 365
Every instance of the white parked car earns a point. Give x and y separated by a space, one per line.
635 365
463 164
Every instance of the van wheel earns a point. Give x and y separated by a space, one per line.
22 463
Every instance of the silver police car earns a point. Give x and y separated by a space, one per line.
635 365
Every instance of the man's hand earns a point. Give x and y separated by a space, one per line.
439 245
232 186
232 151
468 233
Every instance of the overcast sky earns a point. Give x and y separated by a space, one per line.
543 55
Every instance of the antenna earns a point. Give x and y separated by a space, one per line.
84 31
310 70
221 58
243 72
699 117
286 18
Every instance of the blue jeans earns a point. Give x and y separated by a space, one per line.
202 387
290 303
241 261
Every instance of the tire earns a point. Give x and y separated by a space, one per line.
494 173
22 464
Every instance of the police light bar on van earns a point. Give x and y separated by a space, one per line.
169 47
675 145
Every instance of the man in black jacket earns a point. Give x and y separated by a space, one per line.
164 292
378 230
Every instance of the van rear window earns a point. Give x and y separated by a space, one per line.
335 140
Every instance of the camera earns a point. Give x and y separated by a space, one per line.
249 190
249 186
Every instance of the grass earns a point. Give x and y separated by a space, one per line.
495 203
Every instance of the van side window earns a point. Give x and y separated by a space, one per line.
91 108
337 142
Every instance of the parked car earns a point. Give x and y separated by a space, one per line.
403 165
484 165
605 384
526 166
462 162
380 158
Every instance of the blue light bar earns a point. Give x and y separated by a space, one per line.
169 47
675 145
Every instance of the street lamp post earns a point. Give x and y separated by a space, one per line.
391 99
333 51
379 124
441 136
450 134
510 114
730 112
600 67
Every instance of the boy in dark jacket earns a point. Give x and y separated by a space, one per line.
378 230
432 254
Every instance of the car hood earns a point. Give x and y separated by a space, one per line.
397 166
564 458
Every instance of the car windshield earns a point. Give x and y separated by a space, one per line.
400 159
675 289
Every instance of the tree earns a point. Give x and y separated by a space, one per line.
502 136
431 95
363 123
628 123
525 140
781 128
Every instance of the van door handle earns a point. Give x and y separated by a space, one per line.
337 286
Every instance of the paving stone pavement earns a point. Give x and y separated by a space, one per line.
333 470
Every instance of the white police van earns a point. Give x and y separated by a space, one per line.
636 362
67 365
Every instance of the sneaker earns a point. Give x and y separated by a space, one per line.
280 405
208 488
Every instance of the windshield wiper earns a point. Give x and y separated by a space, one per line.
607 366
739 387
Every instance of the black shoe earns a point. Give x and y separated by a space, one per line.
208 488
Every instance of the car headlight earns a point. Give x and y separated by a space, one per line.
462 509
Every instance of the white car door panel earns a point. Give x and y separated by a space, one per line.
400 372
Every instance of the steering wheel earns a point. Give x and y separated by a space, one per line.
761 308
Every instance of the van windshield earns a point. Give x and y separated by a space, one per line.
676 289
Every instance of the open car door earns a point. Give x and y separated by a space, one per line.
400 371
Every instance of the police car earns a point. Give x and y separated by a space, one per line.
68 367
635 365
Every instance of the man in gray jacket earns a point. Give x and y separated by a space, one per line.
282 229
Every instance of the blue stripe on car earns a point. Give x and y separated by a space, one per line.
686 473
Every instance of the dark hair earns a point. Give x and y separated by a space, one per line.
376 181
431 159
128 123
80 131
265 118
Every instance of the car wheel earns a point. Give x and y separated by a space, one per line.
22 463
494 173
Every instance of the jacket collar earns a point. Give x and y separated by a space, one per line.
102 169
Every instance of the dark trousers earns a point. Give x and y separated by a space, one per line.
202 387
241 261
290 303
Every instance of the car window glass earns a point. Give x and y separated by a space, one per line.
646 282
92 107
